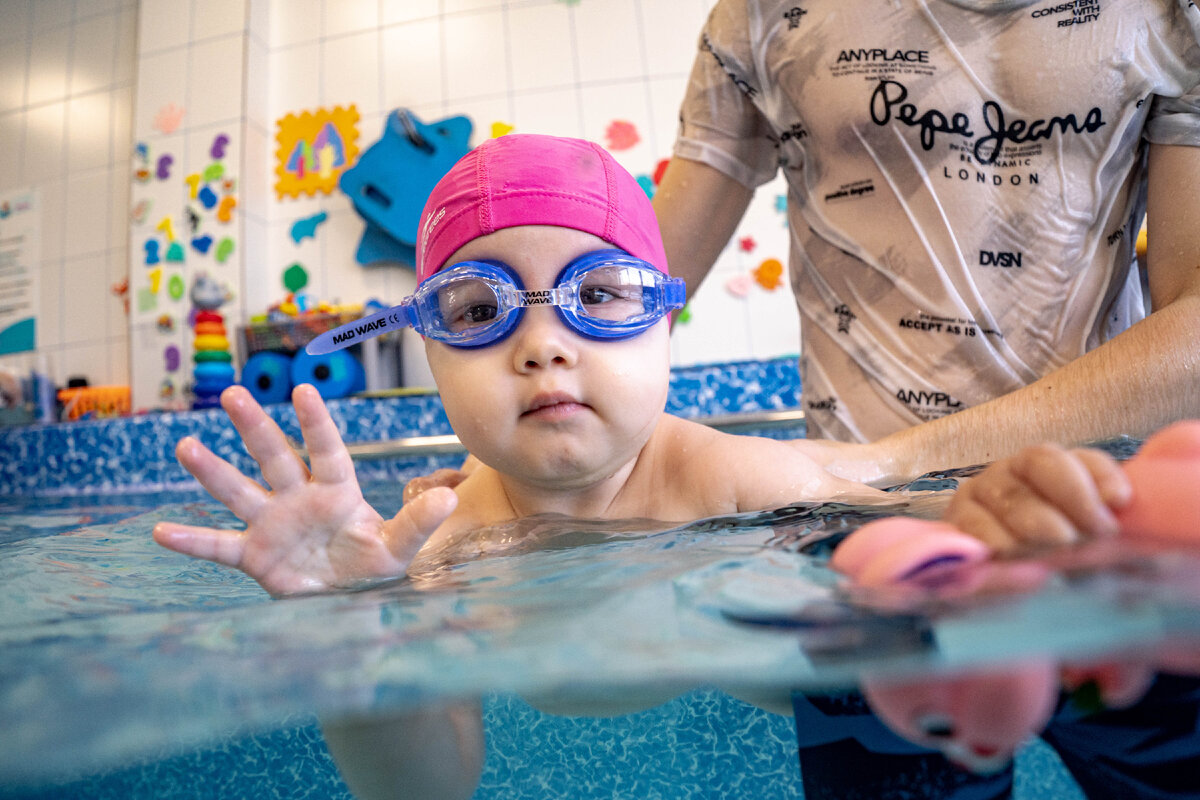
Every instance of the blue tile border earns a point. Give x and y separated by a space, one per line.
137 453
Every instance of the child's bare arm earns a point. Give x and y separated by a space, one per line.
313 530
1044 495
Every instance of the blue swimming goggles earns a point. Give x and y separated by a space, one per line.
606 294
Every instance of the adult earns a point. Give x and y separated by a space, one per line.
966 184
966 181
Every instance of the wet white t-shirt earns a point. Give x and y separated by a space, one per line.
967 180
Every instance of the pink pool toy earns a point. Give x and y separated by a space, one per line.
979 719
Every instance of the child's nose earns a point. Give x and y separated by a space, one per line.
543 340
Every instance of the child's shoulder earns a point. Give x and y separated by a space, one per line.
689 441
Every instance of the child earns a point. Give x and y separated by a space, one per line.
562 407
563 410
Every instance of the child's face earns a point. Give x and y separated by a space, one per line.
545 404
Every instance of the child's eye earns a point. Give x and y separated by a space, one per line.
612 293
479 313
463 316
467 304
592 295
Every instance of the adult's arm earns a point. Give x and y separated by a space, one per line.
698 209
1135 383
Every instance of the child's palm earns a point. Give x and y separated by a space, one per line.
313 530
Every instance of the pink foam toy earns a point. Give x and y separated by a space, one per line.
1165 475
979 719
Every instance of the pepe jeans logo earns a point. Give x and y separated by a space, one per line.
888 102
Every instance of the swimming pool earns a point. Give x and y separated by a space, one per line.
131 671
128 671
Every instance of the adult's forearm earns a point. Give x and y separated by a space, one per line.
1134 384
698 210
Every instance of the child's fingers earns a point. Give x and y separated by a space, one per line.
408 531
223 547
240 494
1010 513
264 440
1003 507
1112 483
974 518
1066 485
327 455
439 477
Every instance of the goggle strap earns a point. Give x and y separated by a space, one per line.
352 333
675 291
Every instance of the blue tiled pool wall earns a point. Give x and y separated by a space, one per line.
702 746
137 453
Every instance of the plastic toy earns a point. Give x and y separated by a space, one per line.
979 719
393 178
267 376
336 374
213 370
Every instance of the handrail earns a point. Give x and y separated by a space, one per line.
450 445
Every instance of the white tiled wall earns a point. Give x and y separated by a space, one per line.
68 122
542 66
66 93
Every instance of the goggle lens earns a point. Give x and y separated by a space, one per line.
613 293
469 305
606 294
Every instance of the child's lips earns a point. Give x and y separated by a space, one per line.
553 406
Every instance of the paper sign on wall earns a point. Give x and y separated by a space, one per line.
20 255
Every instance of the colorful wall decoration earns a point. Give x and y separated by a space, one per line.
315 148
192 228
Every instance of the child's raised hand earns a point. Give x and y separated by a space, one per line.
1044 495
312 530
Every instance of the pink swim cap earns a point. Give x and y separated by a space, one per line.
530 179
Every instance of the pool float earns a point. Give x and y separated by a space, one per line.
979 719
267 375
336 374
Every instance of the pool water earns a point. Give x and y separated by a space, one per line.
127 668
